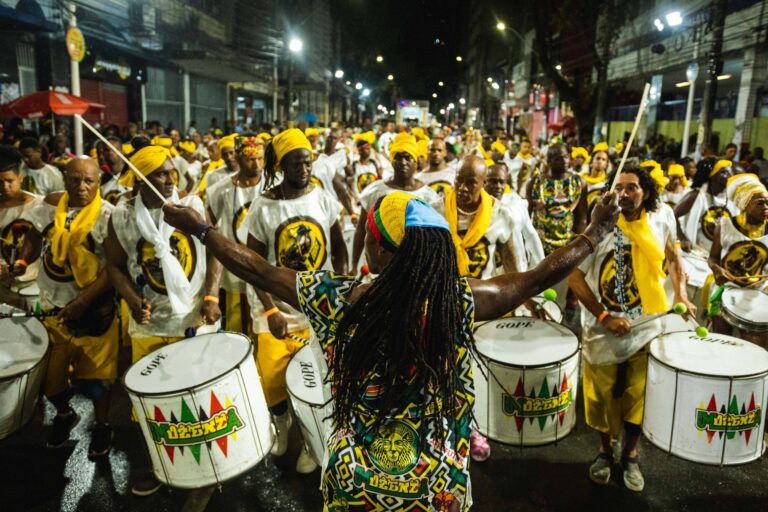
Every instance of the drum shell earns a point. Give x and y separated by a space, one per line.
220 459
499 420
733 296
550 307
678 406
313 417
19 392
30 296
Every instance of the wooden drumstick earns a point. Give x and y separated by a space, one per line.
643 104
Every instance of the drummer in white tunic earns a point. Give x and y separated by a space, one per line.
739 255
161 273
39 177
14 202
438 175
618 295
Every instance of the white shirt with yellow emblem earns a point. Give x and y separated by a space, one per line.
365 174
229 204
57 284
485 257
13 228
743 256
297 234
142 262
439 181
600 347
699 224
42 181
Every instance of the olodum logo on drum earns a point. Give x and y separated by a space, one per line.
735 419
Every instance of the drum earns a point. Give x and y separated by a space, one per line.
745 308
201 409
310 398
705 398
525 383
23 358
549 309
30 296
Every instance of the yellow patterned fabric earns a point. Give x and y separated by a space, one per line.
647 263
147 160
69 242
477 227
742 188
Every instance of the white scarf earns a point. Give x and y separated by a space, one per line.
176 282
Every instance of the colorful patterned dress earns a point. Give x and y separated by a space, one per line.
392 469
555 222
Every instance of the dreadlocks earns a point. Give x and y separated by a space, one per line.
270 165
402 334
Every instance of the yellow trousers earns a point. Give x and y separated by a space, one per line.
85 357
272 358
602 411
143 346
237 313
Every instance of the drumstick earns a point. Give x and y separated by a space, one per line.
28 314
631 140
677 309
123 157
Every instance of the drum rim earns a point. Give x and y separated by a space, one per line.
47 352
659 446
532 445
698 374
537 366
204 383
313 406
742 323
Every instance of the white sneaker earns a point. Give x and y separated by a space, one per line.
305 464
283 424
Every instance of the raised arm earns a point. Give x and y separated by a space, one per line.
241 261
496 296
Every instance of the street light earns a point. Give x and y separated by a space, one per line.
674 19
358 86
348 82
495 86
434 95
462 101
440 84
489 80
366 92
339 73
559 67
390 77
458 58
379 58
501 26
442 111
295 45
658 24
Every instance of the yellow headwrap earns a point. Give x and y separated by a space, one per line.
419 133
476 230
658 176
226 142
600 146
265 136
742 187
368 137
127 148
498 146
166 142
311 132
678 170
147 160
69 244
647 263
619 147
719 166
650 163
288 140
188 145
577 151
403 143
423 147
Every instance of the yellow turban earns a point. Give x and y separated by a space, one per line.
226 142
127 148
423 148
264 136
498 146
719 166
619 147
678 170
368 137
600 146
188 145
658 176
577 151
147 160
419 133
742 188
403 143
311 132
166 142
650 163
288 140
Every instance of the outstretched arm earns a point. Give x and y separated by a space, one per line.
241 261
496 296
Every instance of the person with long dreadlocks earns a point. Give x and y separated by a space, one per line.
293 224
399 348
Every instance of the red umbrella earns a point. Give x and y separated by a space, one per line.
42 103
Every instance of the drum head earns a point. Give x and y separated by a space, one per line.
303 377
23 343
187 364
520 341
716 355
747 304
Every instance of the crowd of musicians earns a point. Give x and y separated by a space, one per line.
363 220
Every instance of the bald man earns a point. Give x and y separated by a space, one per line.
83 332
438 175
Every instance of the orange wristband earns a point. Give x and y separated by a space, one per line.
211 298
268 313
21 262
602 316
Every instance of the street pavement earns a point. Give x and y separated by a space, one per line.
553 477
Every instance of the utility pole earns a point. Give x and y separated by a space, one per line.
74 70
714 66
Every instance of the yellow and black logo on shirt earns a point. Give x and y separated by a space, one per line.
441 187
13 238
479 256
364 180
182 248
237 221
746 258
55 272
607 282
394 449
709 220
300 244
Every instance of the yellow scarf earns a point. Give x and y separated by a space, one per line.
69 244
751 230
647 263
476 230
524 156
593 179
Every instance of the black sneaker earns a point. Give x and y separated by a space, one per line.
62 426
146 485
101 440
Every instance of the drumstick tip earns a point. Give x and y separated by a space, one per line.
550 295
680 308
702 332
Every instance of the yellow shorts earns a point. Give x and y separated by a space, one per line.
125 316
272 358
237 313
602 411
86 357
143 346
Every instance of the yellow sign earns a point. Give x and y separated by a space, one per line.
75 44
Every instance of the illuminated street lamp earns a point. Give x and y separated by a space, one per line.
379 58
295 45
440 84
501 26
339 73
366 92
458 58
462 101
434 95
390 77
358 86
